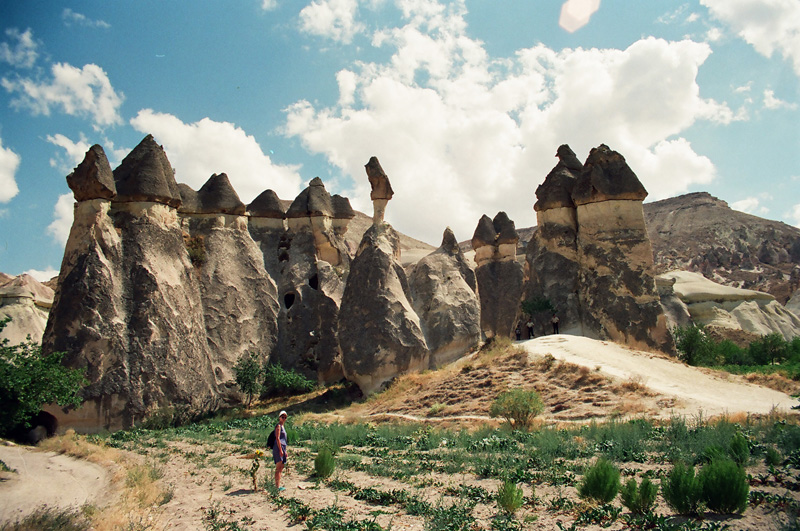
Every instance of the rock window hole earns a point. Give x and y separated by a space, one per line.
313 282
288 300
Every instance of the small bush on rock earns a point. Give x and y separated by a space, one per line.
601 482
518 406
639 500
724 486
681 489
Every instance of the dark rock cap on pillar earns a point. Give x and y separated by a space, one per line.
606 176
146 175
93 178
313 201
556 190
267 205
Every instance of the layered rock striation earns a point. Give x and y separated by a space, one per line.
711 304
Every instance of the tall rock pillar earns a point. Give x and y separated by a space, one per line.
499 274
617 282
552 254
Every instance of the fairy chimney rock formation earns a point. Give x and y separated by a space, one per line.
128 308
381 189
552 254
93 178
315 209
230 268
379 331
499 275
616 279
442 289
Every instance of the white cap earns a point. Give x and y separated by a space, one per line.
282 413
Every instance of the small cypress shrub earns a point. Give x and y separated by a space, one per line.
739 449
324 463
681 489
772 457
639 500
509 497
724 486
601 482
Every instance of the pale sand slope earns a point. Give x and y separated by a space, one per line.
695 389
46 477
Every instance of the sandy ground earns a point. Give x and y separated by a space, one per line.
46 478
694 389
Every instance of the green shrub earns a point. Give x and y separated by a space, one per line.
196 247
681 489
248 373
768 349
29 380
694 346
730 353
324 463
45 517
772 457
281 382
739 450
724 486
518 406
600 482
639 500
509 497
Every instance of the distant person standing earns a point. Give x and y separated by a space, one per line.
279 449
554 322
529 325
518 333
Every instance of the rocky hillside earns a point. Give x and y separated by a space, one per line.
700 233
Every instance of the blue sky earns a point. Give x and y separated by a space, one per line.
464 102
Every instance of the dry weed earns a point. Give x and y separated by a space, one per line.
774 381
634 384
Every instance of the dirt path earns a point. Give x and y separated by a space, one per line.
694 389
46 478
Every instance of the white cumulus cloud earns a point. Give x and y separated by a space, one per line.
84 92
768 25
198 150
575 14
9 162
269 5
63 214
462 134
71 17
773 103
42 275
74 151
750 205
334 19
24 53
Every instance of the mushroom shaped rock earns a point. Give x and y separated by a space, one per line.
378 180
93 178
314 201
606 176
267 205
146 175
556 190
217 196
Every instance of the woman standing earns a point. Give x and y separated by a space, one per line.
279 449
